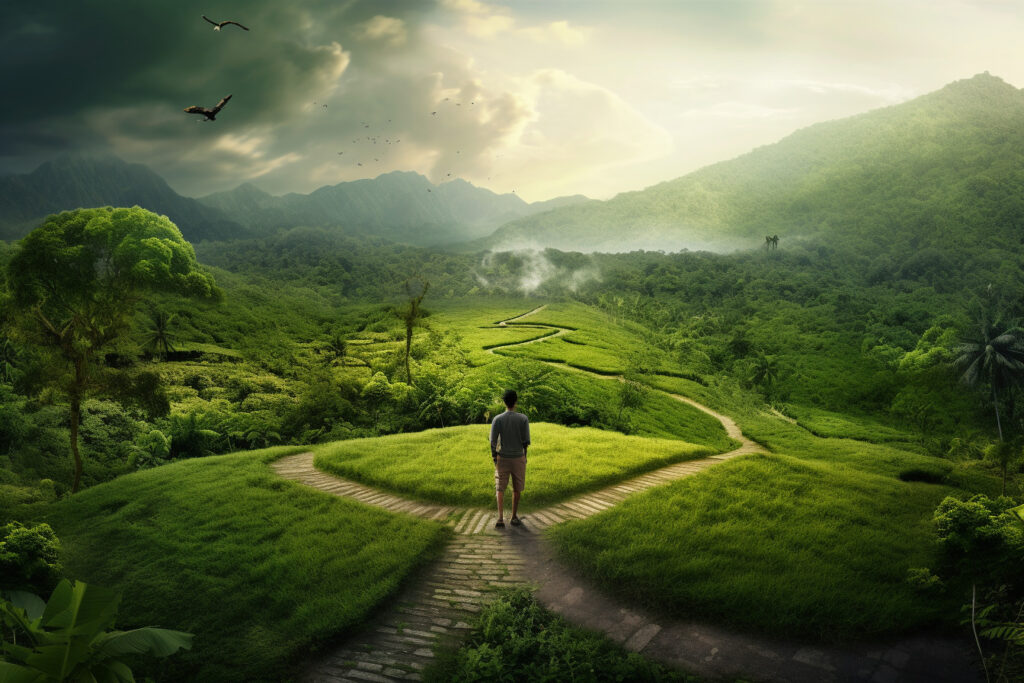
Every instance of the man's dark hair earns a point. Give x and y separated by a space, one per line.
510 397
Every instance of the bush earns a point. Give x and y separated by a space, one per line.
29 557
517 639
980 539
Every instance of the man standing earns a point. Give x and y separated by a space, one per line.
510 436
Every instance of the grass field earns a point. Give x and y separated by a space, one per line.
772 543
829 424
257 567
814 540
596 341
454 466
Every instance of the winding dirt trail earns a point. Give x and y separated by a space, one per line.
439 604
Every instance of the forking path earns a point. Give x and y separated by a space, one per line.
439 603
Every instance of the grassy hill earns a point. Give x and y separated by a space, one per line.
258 568
944 167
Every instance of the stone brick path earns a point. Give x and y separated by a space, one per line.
442 600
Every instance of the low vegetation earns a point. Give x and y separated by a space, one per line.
517 639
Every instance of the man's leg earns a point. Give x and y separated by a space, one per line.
515 503
501 505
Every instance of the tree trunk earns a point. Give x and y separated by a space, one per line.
995 404
76 418
76 413
408 349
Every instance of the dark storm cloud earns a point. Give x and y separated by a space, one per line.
81 73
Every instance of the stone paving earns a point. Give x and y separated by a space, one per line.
439 605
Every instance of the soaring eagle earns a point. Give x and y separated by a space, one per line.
218 25
210 114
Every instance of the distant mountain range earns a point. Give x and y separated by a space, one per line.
402 207
943 167
935 171
77 180
399 206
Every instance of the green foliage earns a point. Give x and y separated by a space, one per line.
29 557
516 639
993 356
979 539
67 639
270 568
75 282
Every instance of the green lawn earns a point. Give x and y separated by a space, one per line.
454 466
260 569
772 543
813 540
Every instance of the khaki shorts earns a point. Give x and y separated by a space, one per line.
514 467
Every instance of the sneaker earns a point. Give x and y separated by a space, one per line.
516 521
499 524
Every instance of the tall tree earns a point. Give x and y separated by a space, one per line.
160 337
993 355
411 313
75 282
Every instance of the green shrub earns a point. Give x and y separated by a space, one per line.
980 539
29 557
67 639
516 639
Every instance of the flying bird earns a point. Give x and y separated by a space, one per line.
210 114
218 25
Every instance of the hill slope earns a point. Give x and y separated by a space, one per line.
78 180
917 173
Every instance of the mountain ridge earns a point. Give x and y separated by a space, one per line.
920 160
83 179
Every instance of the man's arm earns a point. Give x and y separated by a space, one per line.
494 439
526 433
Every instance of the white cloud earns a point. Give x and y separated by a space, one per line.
388 29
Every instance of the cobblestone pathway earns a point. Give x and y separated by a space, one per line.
441 602
438 608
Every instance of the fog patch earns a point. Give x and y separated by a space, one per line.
533 269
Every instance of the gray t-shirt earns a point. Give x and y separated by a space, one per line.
510 434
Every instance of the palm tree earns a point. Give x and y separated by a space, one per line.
994 357
415 288
764 371
159 337
335 349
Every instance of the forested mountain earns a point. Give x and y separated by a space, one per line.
932 172
399 206
77 180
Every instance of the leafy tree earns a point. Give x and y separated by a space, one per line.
335 349
764 372
159 338
76 280
67 638
992 356
29 557
1005 454
8 361
411 313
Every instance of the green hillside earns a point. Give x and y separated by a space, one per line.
944 167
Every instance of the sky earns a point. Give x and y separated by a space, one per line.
541 97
